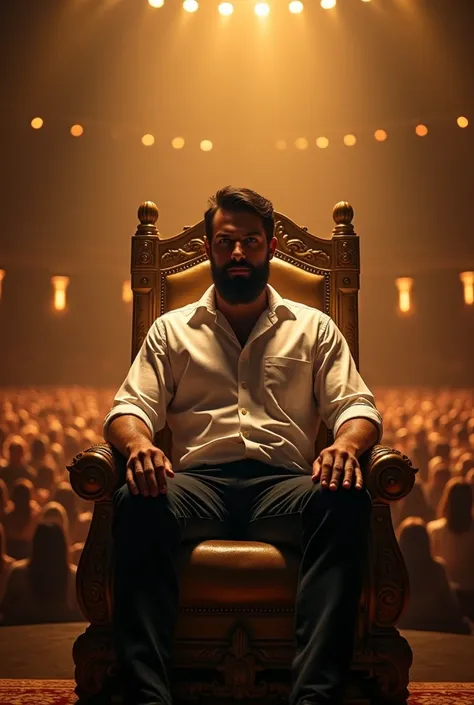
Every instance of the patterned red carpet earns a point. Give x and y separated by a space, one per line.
47 692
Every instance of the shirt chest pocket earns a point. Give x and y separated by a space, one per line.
288 382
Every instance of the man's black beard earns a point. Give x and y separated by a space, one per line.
240 289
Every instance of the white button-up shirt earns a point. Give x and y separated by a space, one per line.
264 401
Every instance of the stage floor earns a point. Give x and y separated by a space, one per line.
45 651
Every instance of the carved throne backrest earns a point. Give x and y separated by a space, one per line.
168 273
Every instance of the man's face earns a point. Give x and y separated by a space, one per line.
239 241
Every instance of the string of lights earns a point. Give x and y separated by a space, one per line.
349 139
261 9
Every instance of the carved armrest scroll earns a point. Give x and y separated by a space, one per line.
389 475
97 472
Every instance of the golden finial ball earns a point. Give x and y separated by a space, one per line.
148 213
343 213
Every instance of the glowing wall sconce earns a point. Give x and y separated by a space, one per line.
2 276
467 279
127 293
404 286
60 285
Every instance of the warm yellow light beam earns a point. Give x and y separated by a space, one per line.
156 3
37 123
322 142
350 140
177 143
328 4
191 5
404 286
462 121
467 279
148 140
60 285
226 9
296 7
206 145
262 9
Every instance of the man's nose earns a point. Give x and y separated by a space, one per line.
237 252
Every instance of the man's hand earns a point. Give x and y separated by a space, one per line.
147 468
338 463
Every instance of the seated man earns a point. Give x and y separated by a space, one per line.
243 377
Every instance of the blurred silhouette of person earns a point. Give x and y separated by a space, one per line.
434 488
42 588
413 505
6 563
79 522
16 467
464 464
55 512
20 523
452 539
433 604
6 505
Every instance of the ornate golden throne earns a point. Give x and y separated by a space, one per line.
234 636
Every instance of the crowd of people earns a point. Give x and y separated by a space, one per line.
44 524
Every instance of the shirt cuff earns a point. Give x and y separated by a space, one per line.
124 409
360 411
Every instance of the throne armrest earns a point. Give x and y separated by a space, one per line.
97 472
389 475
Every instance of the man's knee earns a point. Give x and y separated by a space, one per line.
348 502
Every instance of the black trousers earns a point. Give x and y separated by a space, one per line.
247 500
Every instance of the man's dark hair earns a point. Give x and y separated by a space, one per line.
240 199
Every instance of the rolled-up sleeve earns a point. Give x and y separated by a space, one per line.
340 391
148 387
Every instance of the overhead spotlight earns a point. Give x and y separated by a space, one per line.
177 143
301 143
148 140
37 123
156 3
380 135
350 140
462 121
365 0
404 286
328 4
190 5
206 145
226 8
421 130
295 7
322 142
262 9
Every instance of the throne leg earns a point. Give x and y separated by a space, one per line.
95 662
388 659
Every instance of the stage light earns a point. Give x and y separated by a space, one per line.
206 145
226 8
127 293
404 286
462 121
295 7
156 3
365 0
301 143
148 140
190 5
2 277
350 140
328 4
467 279
77 130
37 123
262 9
177 143
281 145
380 135
322 142
421 130
60 284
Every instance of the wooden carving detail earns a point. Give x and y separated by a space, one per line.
141 318
349 322
191 249
94 569
347 254
390 589
388 658
299 249
389 474
94 657
145 253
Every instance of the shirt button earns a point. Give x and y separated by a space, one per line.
243 411
244 385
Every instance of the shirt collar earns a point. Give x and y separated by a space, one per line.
207 304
